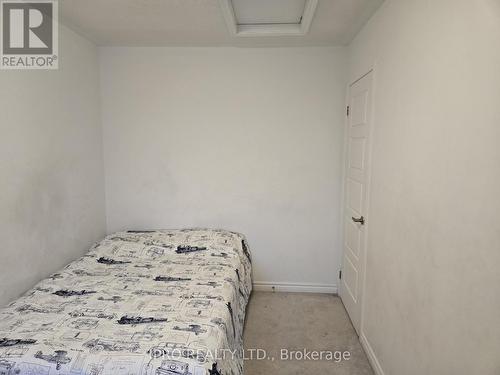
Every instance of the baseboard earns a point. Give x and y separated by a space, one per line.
269 286
372 358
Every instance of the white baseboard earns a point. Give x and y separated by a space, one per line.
269 286
372 358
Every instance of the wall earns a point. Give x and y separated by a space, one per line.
432 298
244 139
51 168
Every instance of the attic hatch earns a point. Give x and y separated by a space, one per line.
268 17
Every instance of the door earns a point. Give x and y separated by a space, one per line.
356 181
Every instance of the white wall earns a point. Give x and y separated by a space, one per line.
244 139
432 300
51 168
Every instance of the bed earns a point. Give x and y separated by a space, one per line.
168 302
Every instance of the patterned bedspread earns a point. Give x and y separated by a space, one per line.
166 302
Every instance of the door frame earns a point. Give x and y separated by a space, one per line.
371 69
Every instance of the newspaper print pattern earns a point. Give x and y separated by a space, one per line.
132 300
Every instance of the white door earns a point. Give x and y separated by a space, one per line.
355 196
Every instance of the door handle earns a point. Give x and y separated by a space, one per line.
361 220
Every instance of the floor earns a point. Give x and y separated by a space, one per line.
298 321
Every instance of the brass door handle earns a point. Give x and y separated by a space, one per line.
361 220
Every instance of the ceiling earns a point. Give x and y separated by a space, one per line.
265 11
201 23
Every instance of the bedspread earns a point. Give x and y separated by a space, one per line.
169 302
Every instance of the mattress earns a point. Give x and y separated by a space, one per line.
168 302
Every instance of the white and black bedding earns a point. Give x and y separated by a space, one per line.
168 302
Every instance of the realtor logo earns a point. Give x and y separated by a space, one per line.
29 34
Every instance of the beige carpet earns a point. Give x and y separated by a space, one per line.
296 321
